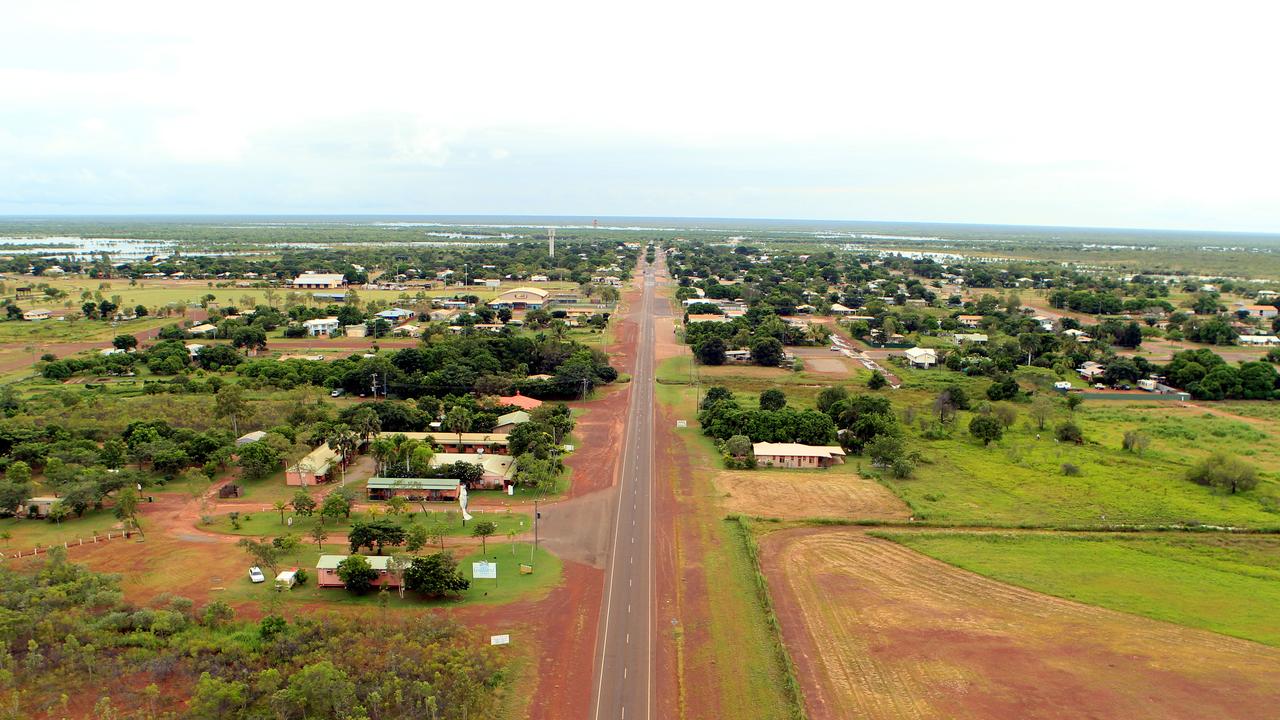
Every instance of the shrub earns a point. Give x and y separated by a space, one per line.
1069 432
1070 469
1135 441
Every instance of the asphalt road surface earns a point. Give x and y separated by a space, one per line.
624 651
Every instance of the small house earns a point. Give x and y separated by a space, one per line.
498 471
321 326
317 467
521 401
203 330
37 314
969 321
506 423
797 455
919 357
327 571
249 438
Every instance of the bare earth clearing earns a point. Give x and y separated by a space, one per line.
797 494
879 631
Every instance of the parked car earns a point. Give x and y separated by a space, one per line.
337 393
255 574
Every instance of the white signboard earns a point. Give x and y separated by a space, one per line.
484 570
682 423
499 639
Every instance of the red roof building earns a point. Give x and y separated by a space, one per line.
520 401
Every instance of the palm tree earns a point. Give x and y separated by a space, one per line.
382 449
280 506
458 420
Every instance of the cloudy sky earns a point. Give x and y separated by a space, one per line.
1107 114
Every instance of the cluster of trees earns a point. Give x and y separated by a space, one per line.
70 635
722 417
759 331
452 365
1205 375
85 473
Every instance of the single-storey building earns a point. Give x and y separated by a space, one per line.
203 329
506 423
521 298
708 317
921 357
37 314
321 326
521 401
396 316
838 309
317 467
320 281
1090 370
976 338
1259 340
796 455
467 442
249 438
193 349
1266 312
39 506
499 470
433 489
737 356
971 321
327 571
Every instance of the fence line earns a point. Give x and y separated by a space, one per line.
67 544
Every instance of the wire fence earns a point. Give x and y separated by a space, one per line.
67 544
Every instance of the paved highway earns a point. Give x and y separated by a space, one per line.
624 660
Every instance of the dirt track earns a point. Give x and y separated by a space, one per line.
879 631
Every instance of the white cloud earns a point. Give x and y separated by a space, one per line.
987 111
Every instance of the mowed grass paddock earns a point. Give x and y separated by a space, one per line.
1227 584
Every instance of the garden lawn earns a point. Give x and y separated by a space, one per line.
267 523
509 586
1227 584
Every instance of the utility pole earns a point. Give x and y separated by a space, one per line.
536 515
374 386
584 389
551 242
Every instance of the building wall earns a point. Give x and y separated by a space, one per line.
292 477
793 461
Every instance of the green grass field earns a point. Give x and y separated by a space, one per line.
1227 584
1020 480
509 586
25 534
267 523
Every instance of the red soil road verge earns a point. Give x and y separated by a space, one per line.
878 630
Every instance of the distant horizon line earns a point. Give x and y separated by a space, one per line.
4 217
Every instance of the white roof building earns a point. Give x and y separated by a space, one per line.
921 357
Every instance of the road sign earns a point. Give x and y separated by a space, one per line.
499 639
484 570
682 423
